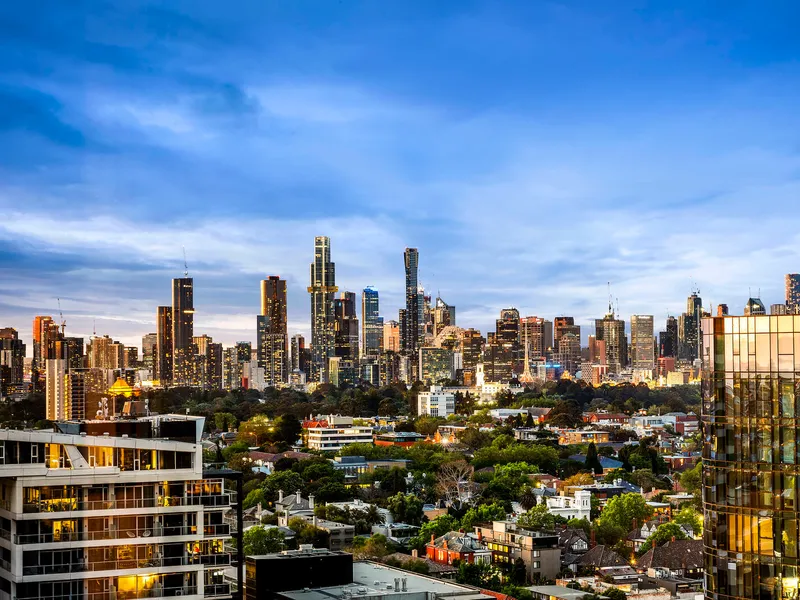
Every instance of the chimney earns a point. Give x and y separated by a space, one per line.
415 553
592 542
314 521
258 508
311 501
480 535
280 495
299 497
673 538
433 538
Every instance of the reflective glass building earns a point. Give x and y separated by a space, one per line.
751 464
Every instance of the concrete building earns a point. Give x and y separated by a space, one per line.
435 365
578 506
333 439
642 343
436 402
103 510
508 542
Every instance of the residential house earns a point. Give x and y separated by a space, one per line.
436 569
578 506
457 545
602 419
598 558
508 542
676 565
358 505
568 437
573 543
399 533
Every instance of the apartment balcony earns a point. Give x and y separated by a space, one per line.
154 592
73 504
218 590
126 564
219 530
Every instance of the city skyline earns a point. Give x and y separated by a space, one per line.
626 146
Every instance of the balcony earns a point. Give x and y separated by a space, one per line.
126 564
121 534
220 530
73 504
217 590
154 592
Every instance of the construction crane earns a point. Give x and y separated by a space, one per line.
61 316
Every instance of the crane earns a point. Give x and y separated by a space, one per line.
61 316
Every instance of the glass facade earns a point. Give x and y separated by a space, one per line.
751 460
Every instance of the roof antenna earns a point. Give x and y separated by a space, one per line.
94 327
610 309
185 265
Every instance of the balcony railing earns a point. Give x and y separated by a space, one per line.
153 592
216 590
157 530
72 504
122 564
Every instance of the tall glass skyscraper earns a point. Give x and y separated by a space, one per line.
751 464
272 340
793 294
182 330
371 324
414 304
642 345
322 289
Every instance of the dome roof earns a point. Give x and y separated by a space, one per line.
121 388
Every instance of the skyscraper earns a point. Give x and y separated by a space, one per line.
539 333
12 359
689 328
371 324
750 462
793 294
45 333
345 327
642 347
611 331
443 315
322 289
272 337
163 360
391 336
563 326
668 339
298 353
182 330
413 325
150 352
502 352
56 384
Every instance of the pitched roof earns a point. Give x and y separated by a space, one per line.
602 556
459 542
568 536
680 554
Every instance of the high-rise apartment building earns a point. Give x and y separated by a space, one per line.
371 324
435 365
56 397
322 289
207 359
12 360
150 352
793 294
611 331
563 326
130 357
272 336
45 333
298 353
569 352
105 510
163 359
539 333
105 353
751 469
391 336
345 327
642 346
413 321
668 339
182 330
502 354
689 328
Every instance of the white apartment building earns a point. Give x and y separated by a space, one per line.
569 507
111 510
333 439
436 402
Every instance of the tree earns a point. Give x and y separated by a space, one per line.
473 438
663 533
405 508
224 421
262 540
615 594
374 547
620 511
307 533
689 516
519 572
436 528
537 518
592 461
426 425
578 479
483 514
481 575
529 421
690 479
287 429
454 482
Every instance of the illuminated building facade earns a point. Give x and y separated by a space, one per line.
89 516
150 352
272 337
371 324
12 360
182 330
163 357
642 344
793 294
689 328
444 315
322 289
435 365
611 331
751 464
391 336
412 320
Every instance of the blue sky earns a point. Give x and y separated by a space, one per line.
532 151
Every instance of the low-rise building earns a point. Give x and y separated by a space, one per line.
602 419
457 545
578 506
508 542
333 439
582 436
355 466
403 439
436 402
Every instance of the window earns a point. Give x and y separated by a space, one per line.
536 564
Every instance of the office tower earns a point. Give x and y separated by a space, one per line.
750 466
244 351
597 351
12 360
150 352
207 371
569 352
131 357
391 336
56 406
427 319
471 348
443 315
322 289
105 353
793 294
74 352
775 309
163 359
668 339
182 330
722 310
689 328
45 334
642 349
539 333
501 355
412 320
611 331
231 370
371 324
754 307
563 326
114 510
435 365
272 337
298 353
345 327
